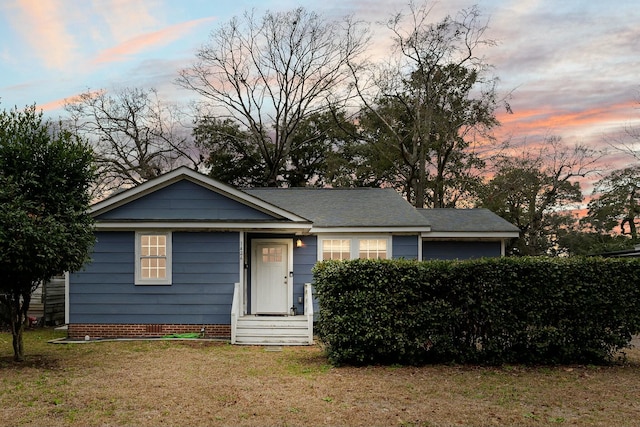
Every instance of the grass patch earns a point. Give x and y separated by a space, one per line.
191 383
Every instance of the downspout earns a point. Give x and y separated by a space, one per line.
235 311
66 297
241 257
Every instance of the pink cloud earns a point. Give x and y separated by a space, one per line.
148 40
40 23
534 121
126 17
58 104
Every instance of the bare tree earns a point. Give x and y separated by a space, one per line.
616 203
628 142
269 74
430 102
616 197
534 189
136 136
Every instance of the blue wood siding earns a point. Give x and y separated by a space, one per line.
304 258
405 247
205 267
184 200
459 249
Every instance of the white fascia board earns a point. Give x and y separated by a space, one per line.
197 178
372 230
471 234
200 225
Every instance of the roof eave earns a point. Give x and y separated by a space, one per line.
369 229
472 234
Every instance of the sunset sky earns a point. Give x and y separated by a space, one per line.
572 65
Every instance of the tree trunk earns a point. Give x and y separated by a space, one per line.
19 307
633 212
18 341
422 177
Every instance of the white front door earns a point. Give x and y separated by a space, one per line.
271 281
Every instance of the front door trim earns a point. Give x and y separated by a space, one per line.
255 275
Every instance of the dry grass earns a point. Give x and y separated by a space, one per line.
187 383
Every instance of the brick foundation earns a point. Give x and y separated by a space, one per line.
102 330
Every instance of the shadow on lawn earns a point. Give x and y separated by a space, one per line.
31 361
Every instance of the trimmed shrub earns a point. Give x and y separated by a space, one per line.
487 311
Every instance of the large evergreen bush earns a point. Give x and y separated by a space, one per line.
489 311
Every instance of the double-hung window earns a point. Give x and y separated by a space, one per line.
375 247
153 258
336 249
372 249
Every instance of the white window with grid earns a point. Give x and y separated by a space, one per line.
272 255
153 258
353 247
373 249
336 249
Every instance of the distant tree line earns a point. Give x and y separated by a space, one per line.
291 99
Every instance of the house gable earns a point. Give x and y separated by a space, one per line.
185 200
189 199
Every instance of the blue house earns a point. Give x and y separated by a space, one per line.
186 253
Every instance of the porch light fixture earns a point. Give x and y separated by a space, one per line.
298 243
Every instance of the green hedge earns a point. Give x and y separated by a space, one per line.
487 311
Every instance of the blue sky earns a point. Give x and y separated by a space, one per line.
572 64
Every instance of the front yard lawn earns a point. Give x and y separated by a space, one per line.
189 383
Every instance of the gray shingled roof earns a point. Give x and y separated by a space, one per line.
344 207
465 220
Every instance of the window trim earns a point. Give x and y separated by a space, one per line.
354 243
139 280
